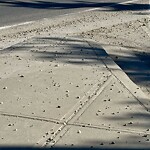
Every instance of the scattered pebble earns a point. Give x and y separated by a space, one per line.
112 143
57 65
1 103
144 24
49 139
130 123
21 76
54 141
79 131
46 133
5 88
10 124
59 130
15 130
58 107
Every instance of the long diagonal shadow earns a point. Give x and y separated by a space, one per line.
87 53
72 5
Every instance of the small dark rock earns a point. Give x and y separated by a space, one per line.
112 143
21 76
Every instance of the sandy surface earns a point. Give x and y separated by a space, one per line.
56 78
128 44
127 32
